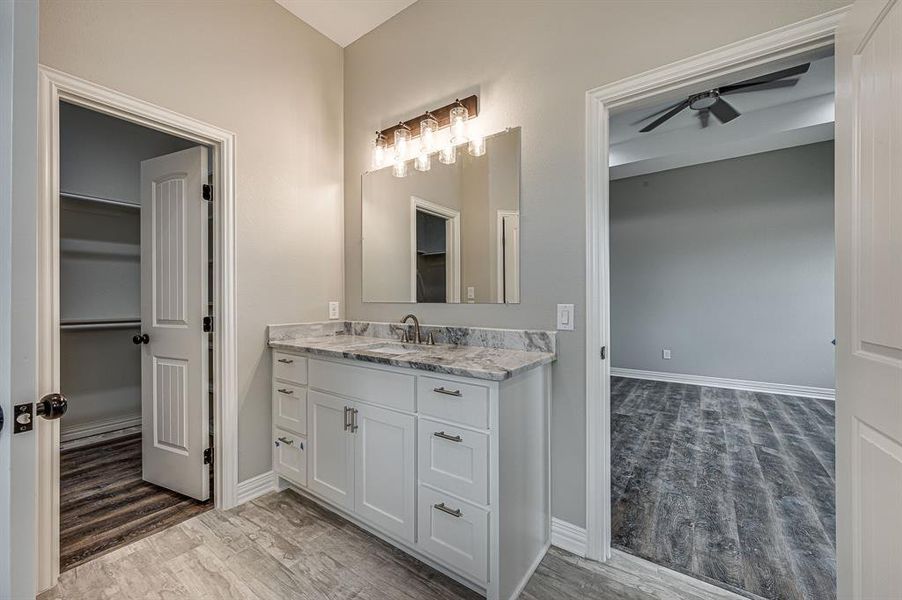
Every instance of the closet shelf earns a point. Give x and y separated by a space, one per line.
97 324
99 200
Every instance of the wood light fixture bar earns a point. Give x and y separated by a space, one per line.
442 115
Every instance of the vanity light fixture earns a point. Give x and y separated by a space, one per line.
378 159
427 126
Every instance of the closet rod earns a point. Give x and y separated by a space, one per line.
112 324
100 200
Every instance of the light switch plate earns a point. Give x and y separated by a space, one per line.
333 310
665 353
565 317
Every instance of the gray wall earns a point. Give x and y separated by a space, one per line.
100 371
531 63
730 265
277 84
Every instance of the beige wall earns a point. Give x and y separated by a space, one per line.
531 63
277 84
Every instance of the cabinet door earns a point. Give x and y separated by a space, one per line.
330 447
384 469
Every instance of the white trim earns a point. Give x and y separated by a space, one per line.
55 86
84 430
255 487
568 536
730 384
500 273
529 573
780 44
452 243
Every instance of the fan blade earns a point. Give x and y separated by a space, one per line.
759 87
799 70
723 111
655 114
669 114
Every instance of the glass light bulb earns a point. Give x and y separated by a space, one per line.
477 146
428 129
448 155
423 161
399 168
378 152
402 139
459 115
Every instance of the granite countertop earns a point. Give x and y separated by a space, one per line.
477 361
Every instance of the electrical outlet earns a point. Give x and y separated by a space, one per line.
565 317
333 310
665 354
471 293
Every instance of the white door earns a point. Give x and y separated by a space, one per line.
869 301
384 469
330 448
511 257
174 380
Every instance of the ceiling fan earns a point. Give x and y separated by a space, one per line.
711 102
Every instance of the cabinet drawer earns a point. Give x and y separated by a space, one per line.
290 456
453 401
454 532
393 390
454 459
289 406
289 367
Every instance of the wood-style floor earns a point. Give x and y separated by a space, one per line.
284 547
104 503
731 486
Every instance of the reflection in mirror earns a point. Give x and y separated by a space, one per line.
450 234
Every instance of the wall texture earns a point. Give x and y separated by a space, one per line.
730 265
531 63
277 84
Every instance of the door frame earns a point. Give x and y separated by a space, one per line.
714 67
452 243
55 86
500 271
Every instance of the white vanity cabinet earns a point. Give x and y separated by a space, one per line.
454 470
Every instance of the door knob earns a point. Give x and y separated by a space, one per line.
51 406
141 339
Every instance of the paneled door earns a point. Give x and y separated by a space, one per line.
869 300
330 448
174 382
384 480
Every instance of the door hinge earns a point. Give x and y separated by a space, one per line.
208 324
208 456
604 352
208 191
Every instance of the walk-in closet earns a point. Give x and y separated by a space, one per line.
106 500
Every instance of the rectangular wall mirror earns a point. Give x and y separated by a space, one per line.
447 235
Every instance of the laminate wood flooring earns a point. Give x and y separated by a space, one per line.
733 487
104 503
283 546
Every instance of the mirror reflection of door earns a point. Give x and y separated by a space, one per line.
508 239
435 264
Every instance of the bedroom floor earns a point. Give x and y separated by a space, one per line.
733 487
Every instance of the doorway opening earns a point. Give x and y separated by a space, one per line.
135 267
435 252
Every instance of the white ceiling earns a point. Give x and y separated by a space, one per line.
343 21
770 120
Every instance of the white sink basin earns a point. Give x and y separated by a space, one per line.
393 349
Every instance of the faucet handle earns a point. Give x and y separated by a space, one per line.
404 338
430 341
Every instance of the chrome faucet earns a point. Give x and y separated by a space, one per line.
416 327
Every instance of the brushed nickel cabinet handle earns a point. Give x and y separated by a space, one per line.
354 427
445 436
286 391
442 390
286 361
453 512
347 419
285 440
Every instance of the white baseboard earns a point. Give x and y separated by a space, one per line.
730 384
256 487
98 427
569 537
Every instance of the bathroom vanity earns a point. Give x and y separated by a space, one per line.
442 450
